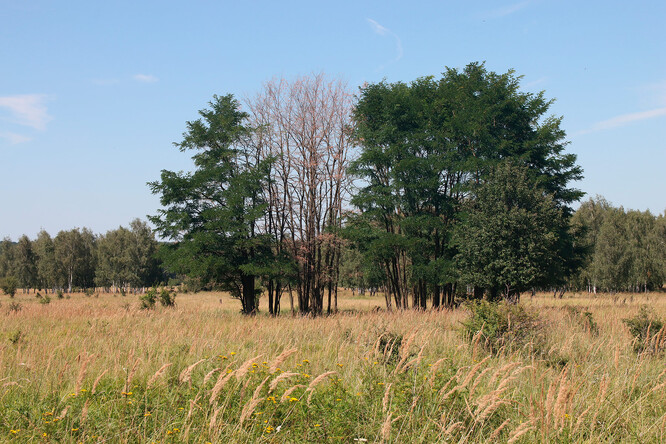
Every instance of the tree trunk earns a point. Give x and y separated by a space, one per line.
436 296
248 297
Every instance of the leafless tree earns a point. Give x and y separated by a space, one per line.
304 125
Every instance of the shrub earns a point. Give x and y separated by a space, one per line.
15 336
648 331
9 286
167 298
89 292
60 294
500 324
14 307
389 347
44 299
585 318
148 299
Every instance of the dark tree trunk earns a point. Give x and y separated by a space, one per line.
448 295
248 296
436 296
270 296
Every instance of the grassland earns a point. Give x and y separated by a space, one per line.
98 369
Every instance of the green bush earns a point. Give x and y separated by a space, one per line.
9 286
389 347
44 299
14 307
500 324
647 330
167 298
60 294
148 299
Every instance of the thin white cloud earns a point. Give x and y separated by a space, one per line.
14 138
379 29
507 10
535 82
624 119
384 31
27 110
145 78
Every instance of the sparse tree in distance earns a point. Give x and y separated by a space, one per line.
25 265
74 251
47 275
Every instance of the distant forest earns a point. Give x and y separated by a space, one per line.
429 192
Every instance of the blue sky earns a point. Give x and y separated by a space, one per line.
92 94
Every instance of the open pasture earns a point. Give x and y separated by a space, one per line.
99 369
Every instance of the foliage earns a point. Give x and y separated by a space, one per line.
148 299
626 249
44 300
127 257
74 251
425 146
167 298
14 307
499 325
507 239
9 285
14 337
647 330
212 214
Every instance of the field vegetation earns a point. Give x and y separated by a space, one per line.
98 368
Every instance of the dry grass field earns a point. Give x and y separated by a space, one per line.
99 369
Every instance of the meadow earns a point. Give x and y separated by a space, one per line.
99 369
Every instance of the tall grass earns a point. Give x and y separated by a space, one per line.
102 370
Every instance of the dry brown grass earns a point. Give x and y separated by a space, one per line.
222 370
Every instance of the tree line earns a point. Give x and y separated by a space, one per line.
430 192
439 188
626 250
120 260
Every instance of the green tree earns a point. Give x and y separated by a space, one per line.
9 284
75 261
46 261
509 234
212 214
114 260
7 257
425 146
587 220
127 257
612 255
25 263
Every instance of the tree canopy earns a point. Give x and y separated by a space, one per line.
212 214
426 146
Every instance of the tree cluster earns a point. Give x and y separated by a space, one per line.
422 190
625 250
120 259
